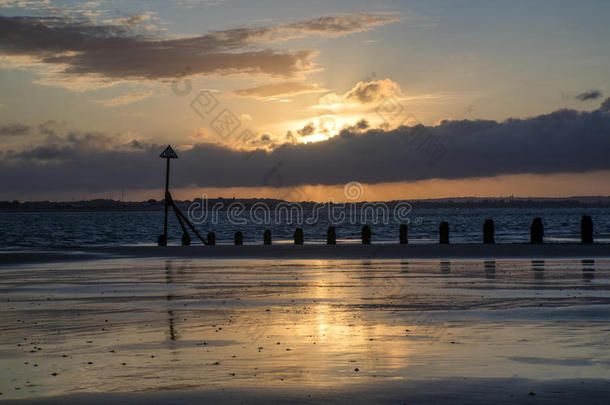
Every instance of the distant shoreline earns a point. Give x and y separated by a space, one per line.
315 252
109 205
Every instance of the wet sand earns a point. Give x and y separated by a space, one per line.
313 251
193 330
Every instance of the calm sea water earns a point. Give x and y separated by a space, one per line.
73 229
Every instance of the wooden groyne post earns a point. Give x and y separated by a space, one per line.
366 235
586 229
298 236
331 236
537 231
488 231
443 232
403 232
238 239
267 237
186 239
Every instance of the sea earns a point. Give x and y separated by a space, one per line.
49 230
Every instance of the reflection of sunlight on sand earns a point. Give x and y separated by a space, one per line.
154 325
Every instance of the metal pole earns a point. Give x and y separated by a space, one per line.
166 199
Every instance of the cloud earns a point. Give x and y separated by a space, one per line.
338 25
368 92
120 50
589 95
564 141
78 10
279 90
307 130
114 51
14 130
605 106
125 99
327 125
132 20
200 134
361 125
365 92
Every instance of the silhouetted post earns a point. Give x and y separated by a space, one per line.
403 234
238 239
488 231
167 154
211 238
267 237
586 229
298 236
166 199
366 235
443 231
186 239
536 231
331 236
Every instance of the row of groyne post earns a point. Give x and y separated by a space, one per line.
536 233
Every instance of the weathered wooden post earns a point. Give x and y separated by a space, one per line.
366 235
238 239
331 236
443 232
586 229
403 234
167 154
267 237
298 236
488 231
186 239
211 238
537 231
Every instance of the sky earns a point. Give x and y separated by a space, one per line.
296 100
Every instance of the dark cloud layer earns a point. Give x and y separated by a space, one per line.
114 51
121 51
563 141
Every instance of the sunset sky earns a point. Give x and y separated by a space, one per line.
294 99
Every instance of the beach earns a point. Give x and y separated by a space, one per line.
299 202
306 324
312 251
